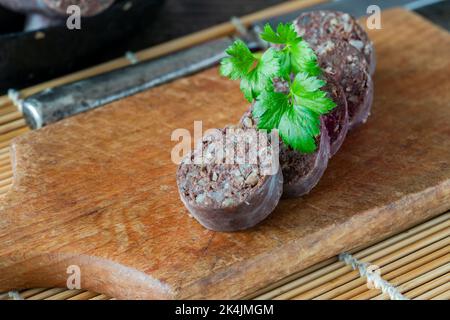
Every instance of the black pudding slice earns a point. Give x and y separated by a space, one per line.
301 171
317 27
236 194
336 121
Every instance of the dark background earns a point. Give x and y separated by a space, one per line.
25 61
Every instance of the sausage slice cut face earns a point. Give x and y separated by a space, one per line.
343 63
317 27
336 121
302 171
232 180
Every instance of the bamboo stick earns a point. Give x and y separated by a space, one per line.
418 278
84 296
357 286
368 249
5 168
442 255
13 125
418 272
5 162
337 265
354 274
5 175
100 297
5 118
4 156
325 281
270 291
4 143
430 289
5 139
4 190
4 296
31 292
436 291
10 108
442 296
389 272
64 295
45 294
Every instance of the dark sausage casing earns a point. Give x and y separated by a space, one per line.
337 121
347 67
317 27
227 197
301 171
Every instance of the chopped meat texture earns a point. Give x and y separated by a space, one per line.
301 171
336 121
318 27
232 180
343 63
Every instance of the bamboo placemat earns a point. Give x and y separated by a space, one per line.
416 261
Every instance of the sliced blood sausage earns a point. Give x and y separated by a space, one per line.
301 171
316 27
346 65
336 121
228 195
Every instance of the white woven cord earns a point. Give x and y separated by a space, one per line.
14 96
15 295
130 56
371 276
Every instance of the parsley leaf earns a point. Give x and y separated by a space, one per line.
269 109
297 114
305 90
239 62
295 54
298 128
303 58
296 110
254 71
305 83
285 34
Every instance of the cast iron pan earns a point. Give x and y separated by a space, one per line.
35 56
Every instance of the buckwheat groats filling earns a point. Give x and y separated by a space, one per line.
336 121
232 180
301 171
343 63
318 27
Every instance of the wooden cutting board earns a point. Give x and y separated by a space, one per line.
98 190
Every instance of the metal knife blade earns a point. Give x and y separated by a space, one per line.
54 104
57 103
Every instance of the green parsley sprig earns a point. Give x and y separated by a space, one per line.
295 112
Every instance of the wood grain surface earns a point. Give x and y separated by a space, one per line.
98 190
